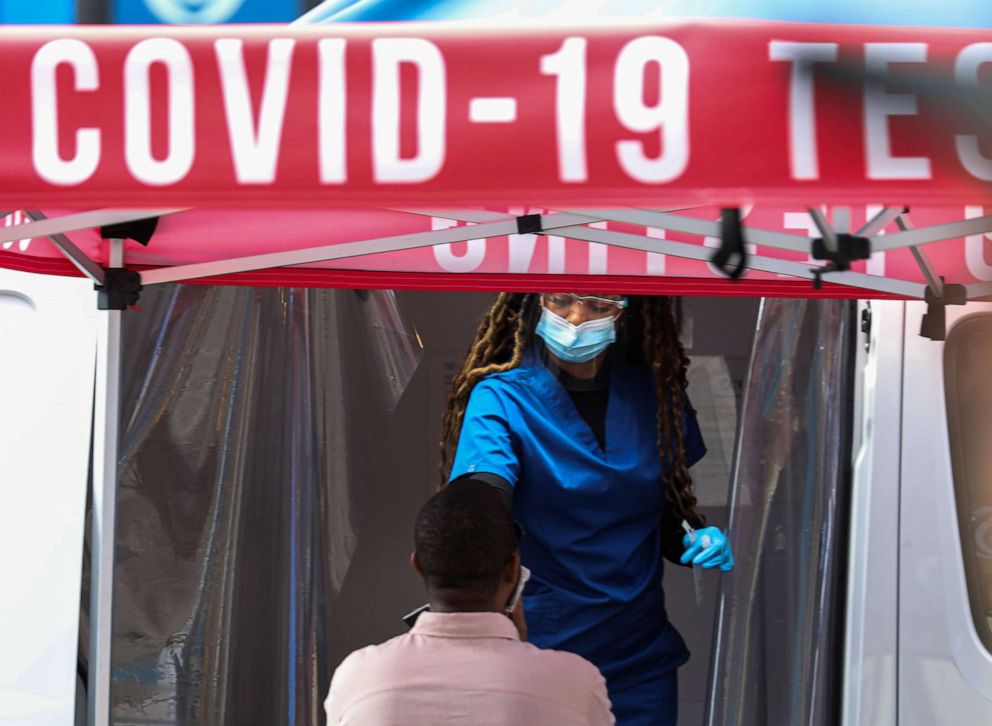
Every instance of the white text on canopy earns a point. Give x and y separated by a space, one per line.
255 139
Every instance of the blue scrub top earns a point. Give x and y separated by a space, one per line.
592 516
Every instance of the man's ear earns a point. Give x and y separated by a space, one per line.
415 564
512 570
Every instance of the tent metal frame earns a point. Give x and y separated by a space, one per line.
106 423
566 224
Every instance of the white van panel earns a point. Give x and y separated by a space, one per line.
47 348
870 673
945 673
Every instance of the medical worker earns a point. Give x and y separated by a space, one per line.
575 407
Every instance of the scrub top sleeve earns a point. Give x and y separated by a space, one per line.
695 447
501 485
485 443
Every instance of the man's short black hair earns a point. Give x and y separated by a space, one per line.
464 537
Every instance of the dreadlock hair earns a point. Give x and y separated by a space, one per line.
647 333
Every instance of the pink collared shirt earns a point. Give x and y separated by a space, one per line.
466 668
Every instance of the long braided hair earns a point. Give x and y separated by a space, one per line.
646 334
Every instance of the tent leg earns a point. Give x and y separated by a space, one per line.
106 418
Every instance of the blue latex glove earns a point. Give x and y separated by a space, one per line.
708 548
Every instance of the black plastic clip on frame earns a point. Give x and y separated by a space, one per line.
849 248
529 224
731 245
934 322
121 287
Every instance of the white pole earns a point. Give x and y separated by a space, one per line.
106 419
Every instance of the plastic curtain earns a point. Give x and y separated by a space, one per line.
778 616
247 419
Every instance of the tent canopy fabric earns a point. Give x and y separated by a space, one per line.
403 155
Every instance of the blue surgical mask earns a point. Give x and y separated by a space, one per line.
576 343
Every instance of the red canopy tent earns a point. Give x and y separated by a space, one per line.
474 156
372 154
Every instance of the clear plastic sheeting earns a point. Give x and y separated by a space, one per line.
247 417
397 346
778 618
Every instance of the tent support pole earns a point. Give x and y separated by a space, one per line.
826 231
934 281
754 262
979 290
933 233
696 252
106 419
798 243
880 221
76 256
79 220
842 220
701 227
346 250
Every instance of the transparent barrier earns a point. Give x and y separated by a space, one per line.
779 619
248 418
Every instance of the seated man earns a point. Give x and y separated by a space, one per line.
464 662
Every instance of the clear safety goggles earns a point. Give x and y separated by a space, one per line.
561 303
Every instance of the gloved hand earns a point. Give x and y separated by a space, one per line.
708 547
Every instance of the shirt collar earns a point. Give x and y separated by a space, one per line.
465 625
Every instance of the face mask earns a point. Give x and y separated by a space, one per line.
576 343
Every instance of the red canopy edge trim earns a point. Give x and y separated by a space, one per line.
468 282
